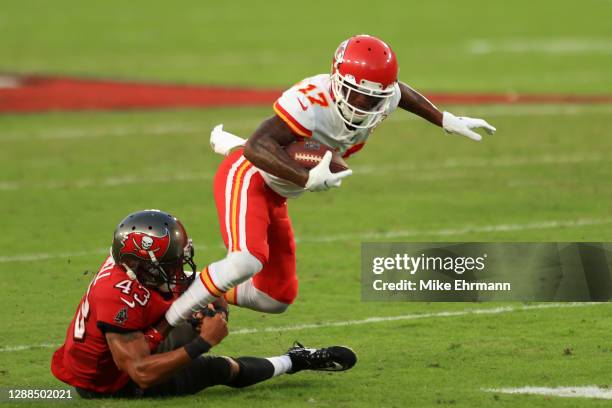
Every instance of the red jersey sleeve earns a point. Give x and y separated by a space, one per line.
126 306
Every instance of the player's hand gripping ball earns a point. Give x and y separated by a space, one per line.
308 153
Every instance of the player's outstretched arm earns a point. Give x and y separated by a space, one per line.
131 352
265 150
416 103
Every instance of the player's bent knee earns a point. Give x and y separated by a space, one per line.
234 269
244 262
267 304
255 299
277 308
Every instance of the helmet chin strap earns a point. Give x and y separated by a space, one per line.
130 272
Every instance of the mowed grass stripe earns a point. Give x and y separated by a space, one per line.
165 128
43 256
413 171
368 320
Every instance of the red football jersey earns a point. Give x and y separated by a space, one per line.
113 302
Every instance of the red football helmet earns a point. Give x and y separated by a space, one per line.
363 65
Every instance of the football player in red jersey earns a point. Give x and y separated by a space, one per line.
112 348
253 183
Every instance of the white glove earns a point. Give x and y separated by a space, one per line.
463 125
223 142
320 178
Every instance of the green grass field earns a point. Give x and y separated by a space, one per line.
67 178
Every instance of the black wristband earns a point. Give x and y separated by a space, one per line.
197 347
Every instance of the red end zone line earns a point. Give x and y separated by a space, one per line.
39 94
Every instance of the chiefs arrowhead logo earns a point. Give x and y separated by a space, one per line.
142 245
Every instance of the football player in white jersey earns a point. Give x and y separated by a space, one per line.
253 182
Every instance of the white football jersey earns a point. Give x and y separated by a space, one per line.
308 109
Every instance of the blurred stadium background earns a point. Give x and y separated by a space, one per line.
67 177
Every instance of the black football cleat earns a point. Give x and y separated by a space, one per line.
335 358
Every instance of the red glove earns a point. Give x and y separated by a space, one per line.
153 337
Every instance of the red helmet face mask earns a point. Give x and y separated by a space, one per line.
364 78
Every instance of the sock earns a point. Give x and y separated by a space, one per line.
195 298
232 270
252 371
281 364
231 296
216 279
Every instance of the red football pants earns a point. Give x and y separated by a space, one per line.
254 218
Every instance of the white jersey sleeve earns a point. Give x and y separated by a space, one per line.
292 108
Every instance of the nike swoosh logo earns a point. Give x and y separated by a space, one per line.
304 108
335 366
127 302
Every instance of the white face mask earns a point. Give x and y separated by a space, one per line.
350 115
353 116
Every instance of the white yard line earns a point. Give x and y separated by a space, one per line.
459 231
22 347
589 391
548 159
86 133
369 320
358 236
502 110
97 132
560 46
43 256
9 81
106 182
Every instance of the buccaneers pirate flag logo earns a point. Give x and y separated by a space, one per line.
145 246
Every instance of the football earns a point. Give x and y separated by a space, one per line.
308 153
